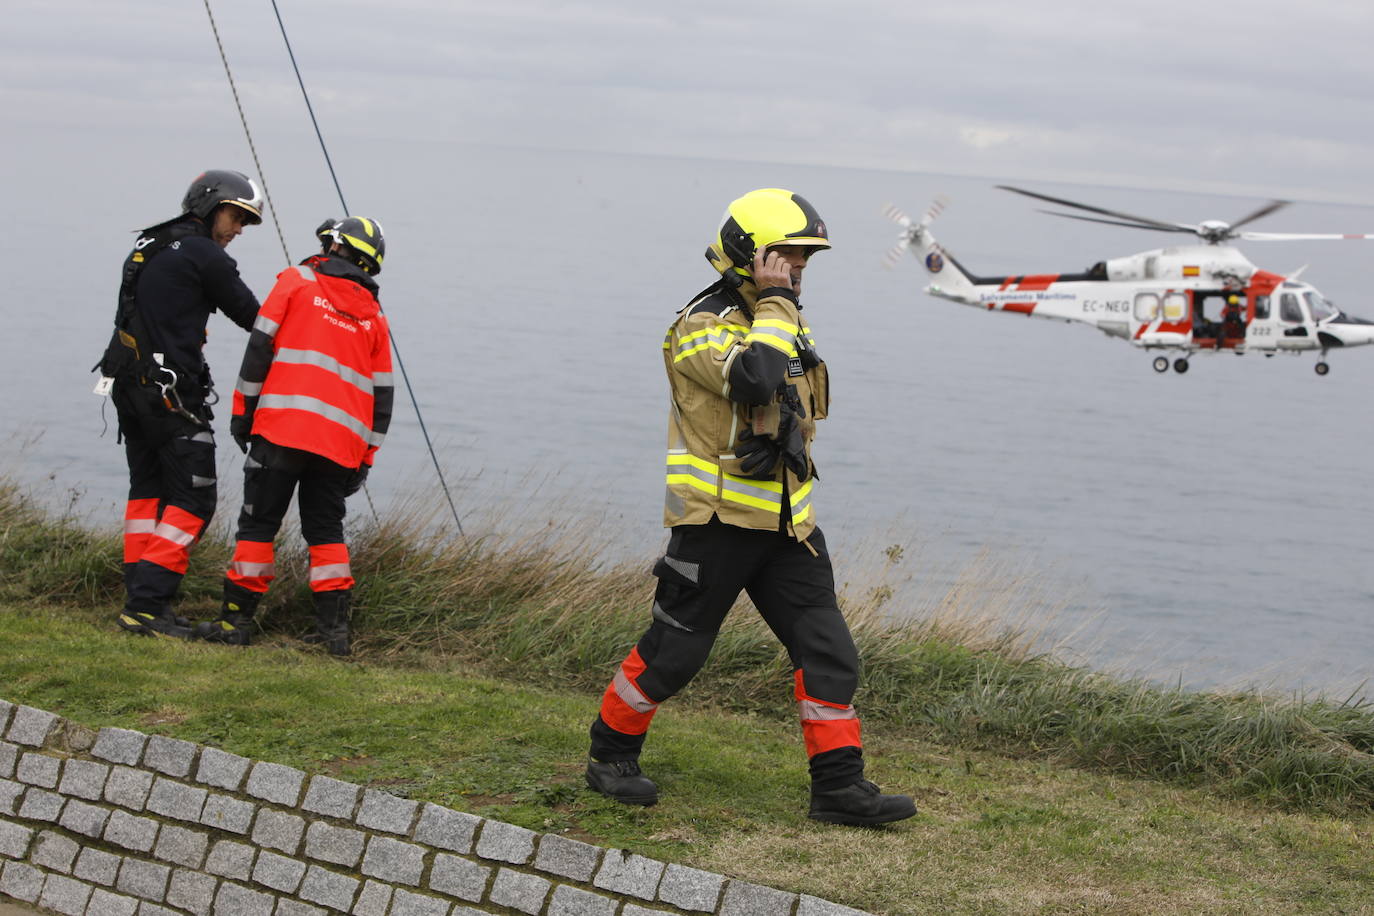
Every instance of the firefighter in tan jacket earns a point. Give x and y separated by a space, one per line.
747 389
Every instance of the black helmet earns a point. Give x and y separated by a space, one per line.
361 240
222 186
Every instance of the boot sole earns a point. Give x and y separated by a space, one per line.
854 820
643 800
140 628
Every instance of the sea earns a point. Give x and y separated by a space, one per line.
1211 529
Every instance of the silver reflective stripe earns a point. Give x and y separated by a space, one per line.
777 337
175 535
801 502
140 525
689 571
266 325
811 711
664 617
326 362
381 379
375 439
330 571
735 485
631 695
306 273
255 570
249 389
251 462
315 406
692 470
206 436
197 481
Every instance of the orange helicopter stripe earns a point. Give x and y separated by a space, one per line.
1037 281
1023 308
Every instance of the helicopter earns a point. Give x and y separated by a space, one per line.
1186 299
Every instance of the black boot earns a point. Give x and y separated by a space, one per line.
147 623
622 781
860 804
331 621
234 626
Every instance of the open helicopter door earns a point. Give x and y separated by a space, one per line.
1262 329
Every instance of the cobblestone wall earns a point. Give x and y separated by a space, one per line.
119 823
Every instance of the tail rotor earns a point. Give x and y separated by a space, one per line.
910 230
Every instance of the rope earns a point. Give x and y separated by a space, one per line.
400 363
247 133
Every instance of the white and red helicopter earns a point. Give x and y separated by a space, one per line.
1201 298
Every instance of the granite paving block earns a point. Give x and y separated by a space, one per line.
331 797
105 903
231 860
119 745
375 899
9 756
506 843
273 782
128 787
84 779
572 901
815 906
97 866
41 805
20 881
233 900
30 726
152 909
278 872
406 903
181 846
444 828
9 795
397 862
278 830
519 891
54 852
568 858
459 877
225 812
131 831
220 769
38 770
328 888
85 819
191 890
690 888
173 799
65 895
296 908
339 845
744 899
634 909
14 839
626 873
6 708
170 755
382 811
144 879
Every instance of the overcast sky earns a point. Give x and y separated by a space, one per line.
1259 98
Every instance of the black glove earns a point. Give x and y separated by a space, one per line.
355 482
758 455
789 440
240 429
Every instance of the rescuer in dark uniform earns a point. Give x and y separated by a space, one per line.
155 372
747 389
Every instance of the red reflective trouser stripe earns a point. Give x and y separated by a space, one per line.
329 569
624 707
169 546
253 566
825 726
140 518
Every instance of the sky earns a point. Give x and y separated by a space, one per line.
1257 98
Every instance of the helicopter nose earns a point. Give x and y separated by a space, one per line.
1349 331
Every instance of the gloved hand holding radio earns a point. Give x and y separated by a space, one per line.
758 454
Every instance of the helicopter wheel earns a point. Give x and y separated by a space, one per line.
1322 368
1180 365
1161 364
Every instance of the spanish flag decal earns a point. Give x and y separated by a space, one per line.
1190 270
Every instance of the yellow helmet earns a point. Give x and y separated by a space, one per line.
762 218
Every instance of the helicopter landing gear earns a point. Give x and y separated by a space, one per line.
1322 368
1180 365
1161 364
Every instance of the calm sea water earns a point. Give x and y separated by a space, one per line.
1212 528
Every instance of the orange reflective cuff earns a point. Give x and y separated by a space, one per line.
253 566
329 568
624 707
825 726
140 520
169 546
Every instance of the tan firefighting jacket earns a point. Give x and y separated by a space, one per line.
703 474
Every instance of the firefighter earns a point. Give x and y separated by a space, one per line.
312 405
155 372
747 388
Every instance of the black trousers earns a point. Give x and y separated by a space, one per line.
700 577
273 474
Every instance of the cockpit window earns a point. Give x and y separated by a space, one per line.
1320 307
1289 310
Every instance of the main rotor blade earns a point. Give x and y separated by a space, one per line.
1112 222
1262 211
1300 236
1151 223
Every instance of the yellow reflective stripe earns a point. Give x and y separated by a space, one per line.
801 502
719 338
760 494
691 471
778 334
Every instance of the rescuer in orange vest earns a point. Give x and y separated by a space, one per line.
747 388
311 407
